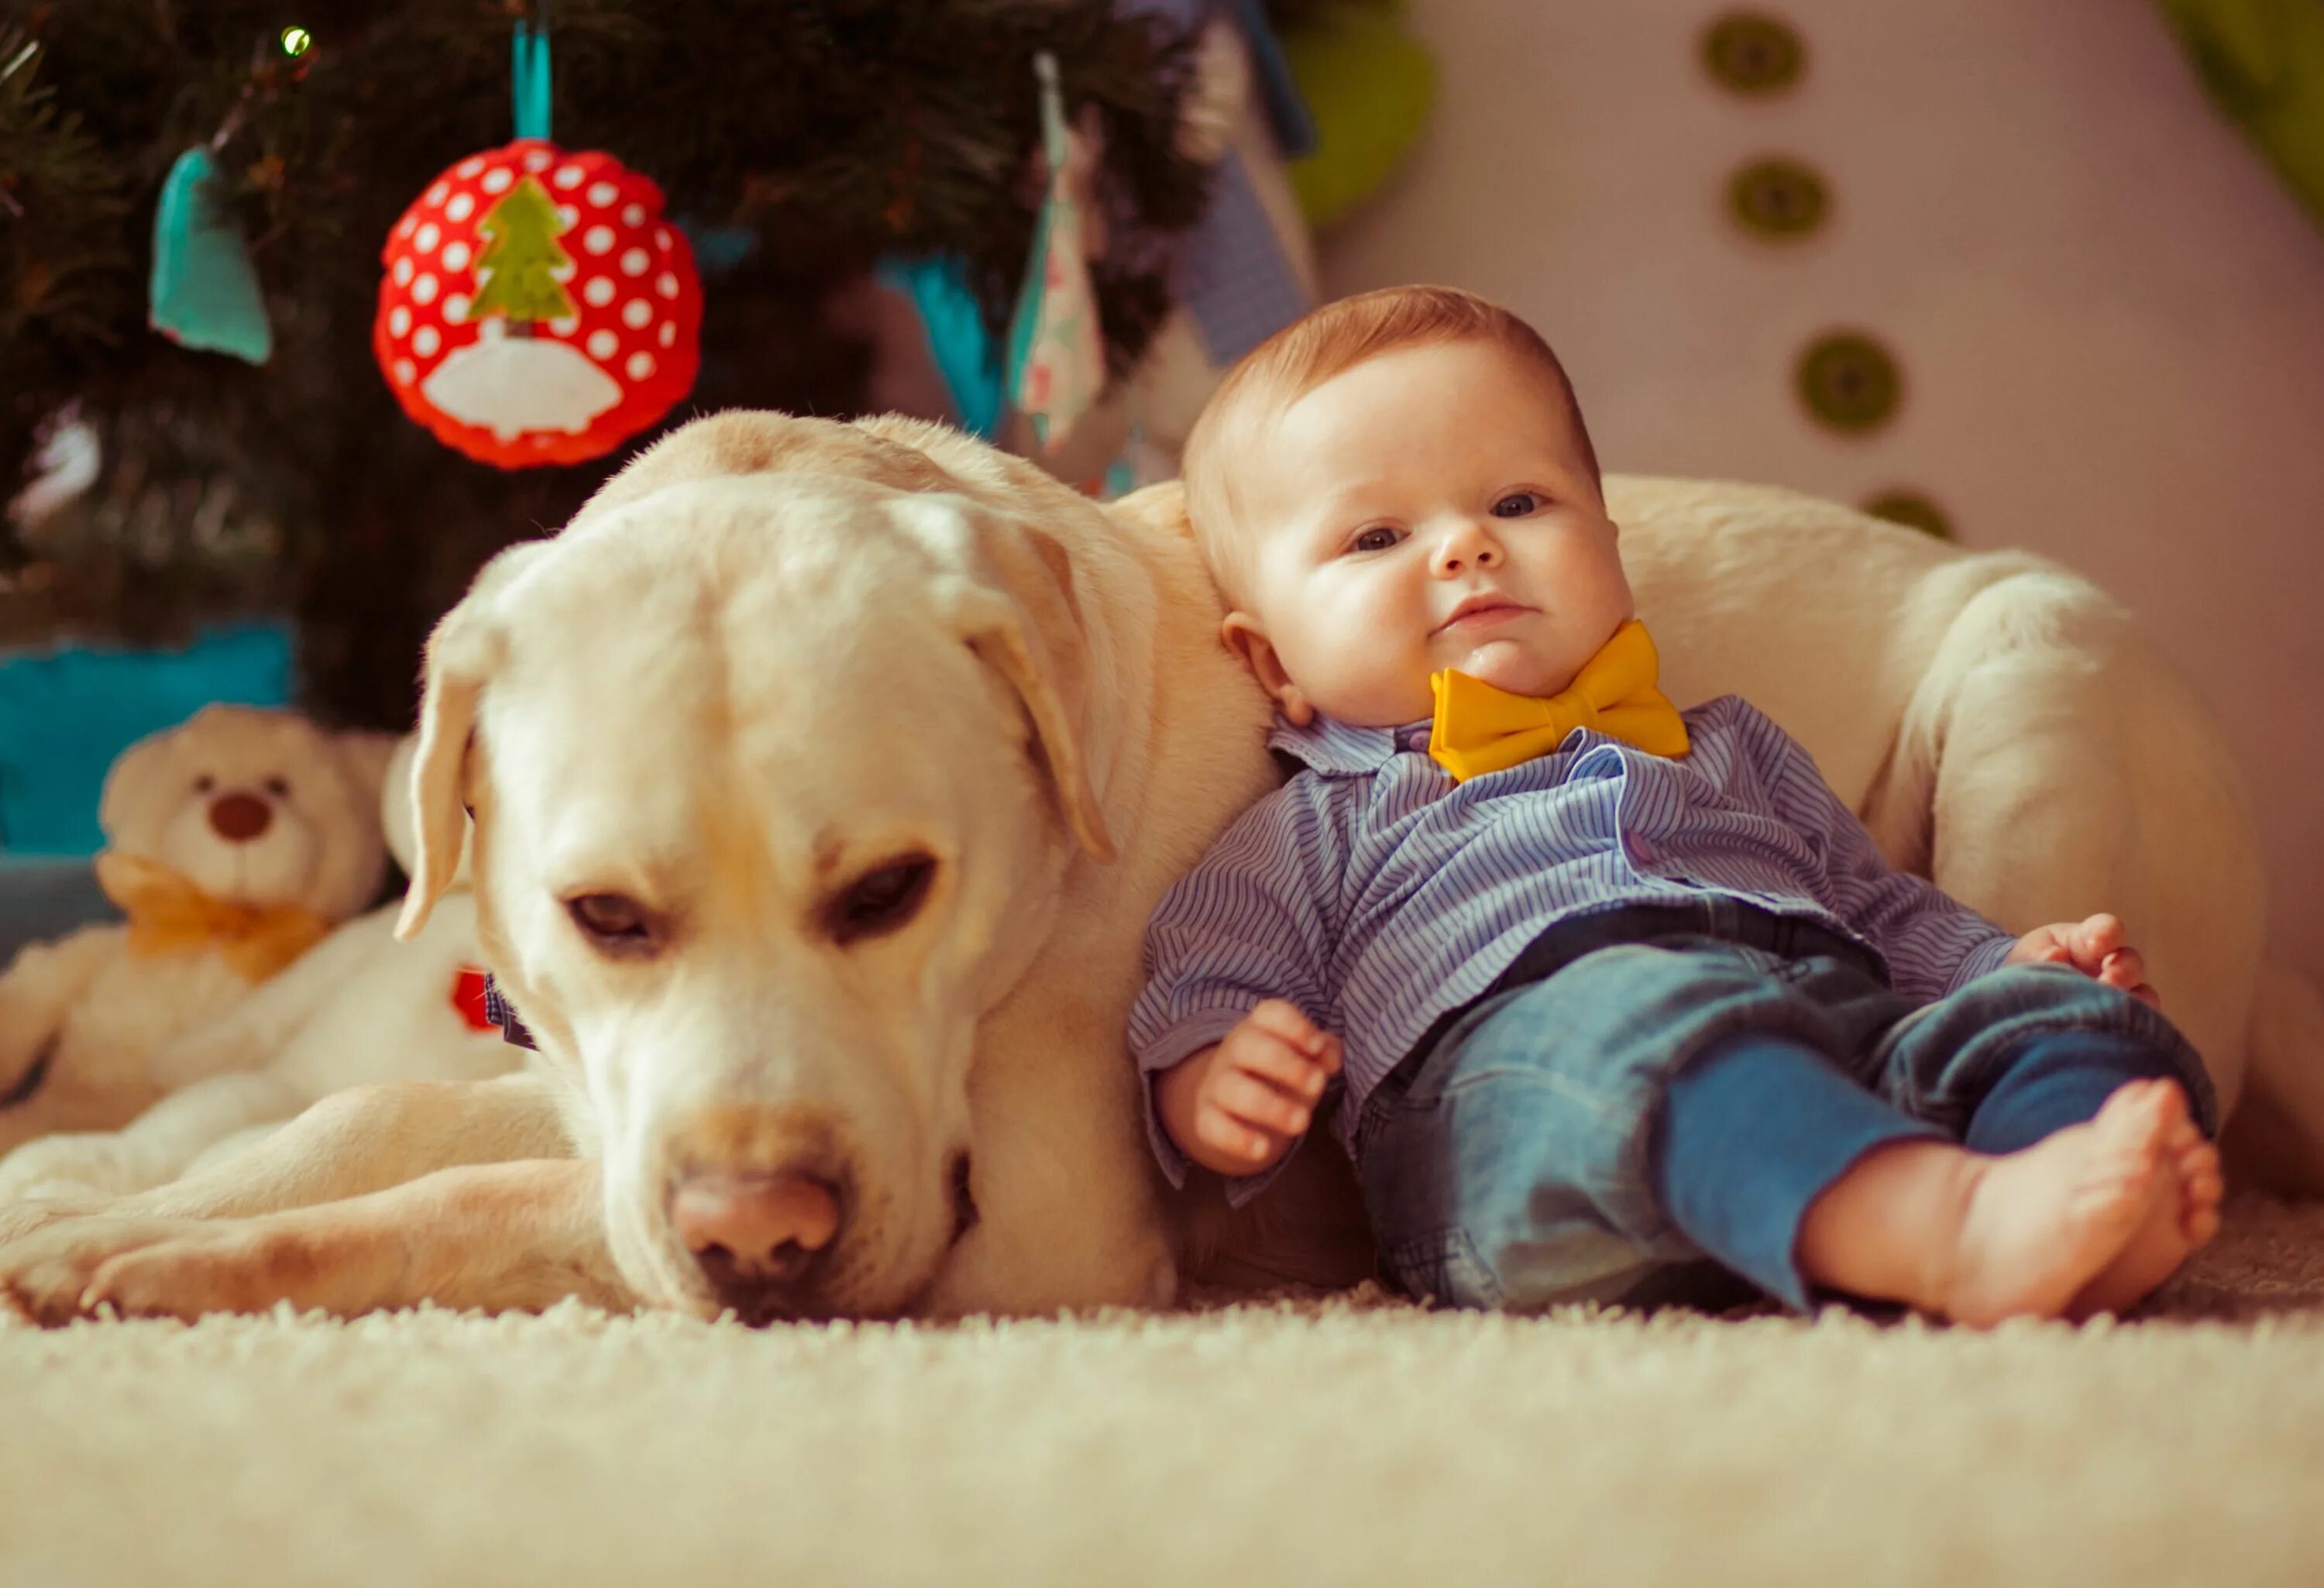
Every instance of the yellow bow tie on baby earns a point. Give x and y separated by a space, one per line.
1480 728
167 913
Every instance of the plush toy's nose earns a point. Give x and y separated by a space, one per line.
240 818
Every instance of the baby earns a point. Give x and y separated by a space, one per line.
1609 988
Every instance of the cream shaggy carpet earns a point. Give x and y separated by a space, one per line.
1344 1440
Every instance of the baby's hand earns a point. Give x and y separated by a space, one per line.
2094 947
1255 1094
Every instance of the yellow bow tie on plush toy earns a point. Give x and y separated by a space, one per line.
167 914
1480 728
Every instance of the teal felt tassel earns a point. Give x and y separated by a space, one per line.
962 349
205 293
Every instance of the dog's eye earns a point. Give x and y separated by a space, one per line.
880 900
614 923
205 783
278 786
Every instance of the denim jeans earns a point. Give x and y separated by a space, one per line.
1514 1162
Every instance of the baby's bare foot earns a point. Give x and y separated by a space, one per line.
2040 1226
2182 1215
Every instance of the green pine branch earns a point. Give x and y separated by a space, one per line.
68 285
834 131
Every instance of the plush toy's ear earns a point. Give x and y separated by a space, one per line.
395 804
141 785
365 756
463 654
354 858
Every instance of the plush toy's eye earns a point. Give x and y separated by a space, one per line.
205 783
278 786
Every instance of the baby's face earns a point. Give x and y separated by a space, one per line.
1430 507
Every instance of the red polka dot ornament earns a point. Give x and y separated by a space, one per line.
537 308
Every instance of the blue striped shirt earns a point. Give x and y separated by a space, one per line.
1376 894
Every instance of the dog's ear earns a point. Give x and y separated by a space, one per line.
463 654
1014 604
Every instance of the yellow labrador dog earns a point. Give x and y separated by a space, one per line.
823 776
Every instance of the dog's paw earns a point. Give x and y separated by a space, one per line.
140 1267
228 1266
150 1268
47 1276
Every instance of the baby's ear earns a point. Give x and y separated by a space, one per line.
1241 633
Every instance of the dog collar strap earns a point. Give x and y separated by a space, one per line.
499 1010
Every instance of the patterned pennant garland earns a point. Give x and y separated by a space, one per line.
1057 359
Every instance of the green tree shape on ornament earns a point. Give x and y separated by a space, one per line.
515 274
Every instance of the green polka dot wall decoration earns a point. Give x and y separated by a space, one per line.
1778 197
1849 382
1751 53
1913 510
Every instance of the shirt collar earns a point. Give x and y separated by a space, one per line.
1338 748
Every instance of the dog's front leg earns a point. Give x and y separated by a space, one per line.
352 1142
154 1148
367 1139
493 1236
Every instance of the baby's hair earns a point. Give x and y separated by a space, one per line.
1332 341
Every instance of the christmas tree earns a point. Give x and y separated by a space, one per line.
519 268
809 138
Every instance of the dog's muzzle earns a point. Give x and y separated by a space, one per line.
764 1241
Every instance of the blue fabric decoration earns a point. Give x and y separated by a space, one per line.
962 346
66 712
1232 275
1286 111
204 293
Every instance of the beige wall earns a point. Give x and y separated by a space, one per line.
2109 314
